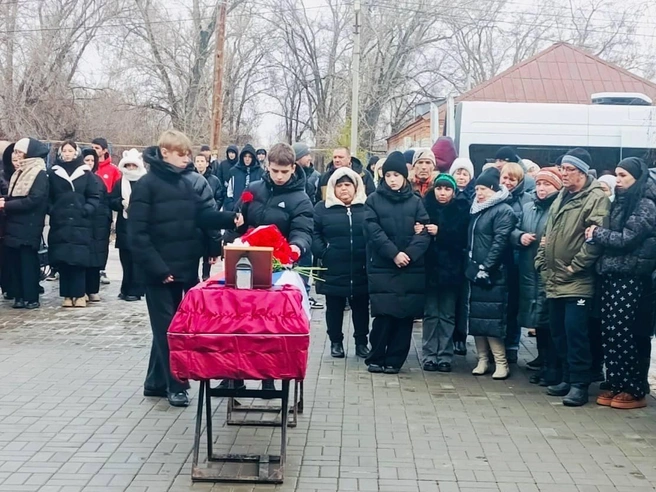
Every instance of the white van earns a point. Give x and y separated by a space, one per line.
543 132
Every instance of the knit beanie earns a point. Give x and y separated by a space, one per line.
507 154
203 148
611 181
551 175
396 162
423 153
490 179
579 158
102 142
300 150
529 165
445 179
22 145
408 155
462 163
632 165
445 153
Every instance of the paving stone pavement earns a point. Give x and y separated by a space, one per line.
73 418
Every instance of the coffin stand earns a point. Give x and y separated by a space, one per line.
225 333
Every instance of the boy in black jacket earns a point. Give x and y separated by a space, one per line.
167 206
202 166
279 199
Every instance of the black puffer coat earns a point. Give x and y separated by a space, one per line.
102 220
163 225
74 199
25 215
533 310
390 218
467 193
518 198
222 169
338 242
217 188
445 258
630 241
286 206
241 176
489 246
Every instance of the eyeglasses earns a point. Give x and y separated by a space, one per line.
568 169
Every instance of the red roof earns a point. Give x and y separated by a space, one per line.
559 74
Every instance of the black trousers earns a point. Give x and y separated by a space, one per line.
163 301
460 332
72 281
23 271
206 267
129 285
390 341
359 314
92 280
568 318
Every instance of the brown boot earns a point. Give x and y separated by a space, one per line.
68 302
605 398
625 401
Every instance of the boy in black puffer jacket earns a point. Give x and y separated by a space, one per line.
247 171
167 208
396 265
202 166
445 272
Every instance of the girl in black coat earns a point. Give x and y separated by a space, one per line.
25 208
626 268
132 169
102 228
395 266
445 261
74 198
338 242
488 247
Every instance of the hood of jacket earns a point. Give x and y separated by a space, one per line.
35 149
153 157
132 156
295 183
235 149
248 149
360 194
96 163
499 197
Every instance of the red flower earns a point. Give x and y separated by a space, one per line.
270 236
247 197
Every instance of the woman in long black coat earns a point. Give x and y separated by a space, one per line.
627 298
74 198
102 228
25 208
489 252
395 266
338 242
132 169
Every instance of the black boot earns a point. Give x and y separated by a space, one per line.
561 389
460 348
362 350
268 385
337 350
237 384
511 356
577 396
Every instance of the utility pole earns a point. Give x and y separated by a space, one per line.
217 96
355 97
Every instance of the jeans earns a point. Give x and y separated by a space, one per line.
568 319
439 324
359 314
163 301
390 339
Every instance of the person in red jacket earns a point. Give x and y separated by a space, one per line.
109 174
107 171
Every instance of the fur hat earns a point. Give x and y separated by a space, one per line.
396 162
462 163
132 156
490 178
550 175
423 153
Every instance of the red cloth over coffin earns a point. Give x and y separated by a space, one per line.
221 332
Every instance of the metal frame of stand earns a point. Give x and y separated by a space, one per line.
236 407
270 469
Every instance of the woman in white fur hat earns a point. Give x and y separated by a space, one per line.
132 168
